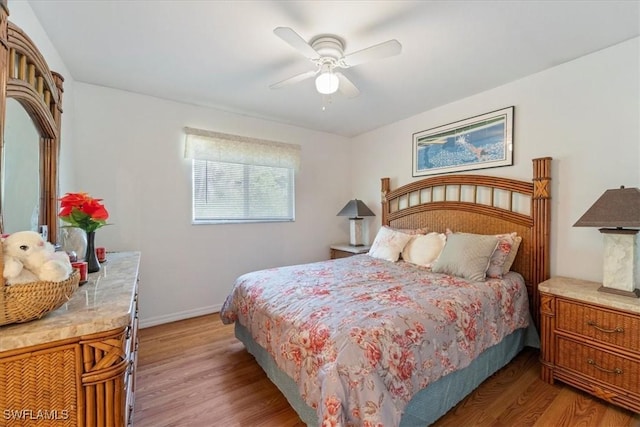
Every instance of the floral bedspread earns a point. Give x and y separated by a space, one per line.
360 336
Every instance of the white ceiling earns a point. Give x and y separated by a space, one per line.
224 54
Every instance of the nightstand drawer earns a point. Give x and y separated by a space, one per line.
600 365
336 253
343 251
599 324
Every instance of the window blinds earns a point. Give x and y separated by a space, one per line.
240 179
222 147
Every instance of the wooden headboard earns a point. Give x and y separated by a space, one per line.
484 205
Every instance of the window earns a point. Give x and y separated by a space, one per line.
235 192
238 179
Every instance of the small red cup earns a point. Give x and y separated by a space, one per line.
81 266
101 254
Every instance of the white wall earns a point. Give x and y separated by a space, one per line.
585 114
130 150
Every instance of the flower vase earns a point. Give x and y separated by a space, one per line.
92 260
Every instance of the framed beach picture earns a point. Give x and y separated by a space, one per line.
479 142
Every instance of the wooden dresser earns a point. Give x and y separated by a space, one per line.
591 340
76 366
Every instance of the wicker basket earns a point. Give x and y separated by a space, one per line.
30 301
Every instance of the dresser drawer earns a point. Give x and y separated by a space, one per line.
606 326
598 364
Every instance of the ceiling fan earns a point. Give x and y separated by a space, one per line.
327 53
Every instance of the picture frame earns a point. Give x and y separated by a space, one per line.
479 142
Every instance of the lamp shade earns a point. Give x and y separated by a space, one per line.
616 208
355 208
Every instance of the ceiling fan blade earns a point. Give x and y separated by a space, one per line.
295 79
296 42
382 50
346 87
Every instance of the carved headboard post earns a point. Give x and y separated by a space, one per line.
541 213
385 186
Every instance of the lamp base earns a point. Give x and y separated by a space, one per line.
621 268
355 232
633 294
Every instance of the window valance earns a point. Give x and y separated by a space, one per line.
222 147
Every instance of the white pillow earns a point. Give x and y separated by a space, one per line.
424 249
388 244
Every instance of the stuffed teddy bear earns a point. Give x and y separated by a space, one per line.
29 258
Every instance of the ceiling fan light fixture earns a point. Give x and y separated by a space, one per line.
326 51
327 83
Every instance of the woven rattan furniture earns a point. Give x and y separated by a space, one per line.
76 365
485 205
590 340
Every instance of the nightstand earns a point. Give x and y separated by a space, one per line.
591 340
346 250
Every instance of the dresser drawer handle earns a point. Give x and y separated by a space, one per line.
608 331
593 363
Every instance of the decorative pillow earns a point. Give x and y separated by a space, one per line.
512 255
501 254
411 231
388 244
424 249
466 255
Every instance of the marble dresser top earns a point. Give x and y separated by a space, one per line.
104 303
583 290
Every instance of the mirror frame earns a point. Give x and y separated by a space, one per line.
26 77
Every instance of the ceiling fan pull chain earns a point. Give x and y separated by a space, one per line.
326 99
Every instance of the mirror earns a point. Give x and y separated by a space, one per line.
28 170
21 171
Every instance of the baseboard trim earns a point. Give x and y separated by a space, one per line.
180 315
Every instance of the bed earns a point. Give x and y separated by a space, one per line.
376 341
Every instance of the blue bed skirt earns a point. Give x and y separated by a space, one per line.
428 404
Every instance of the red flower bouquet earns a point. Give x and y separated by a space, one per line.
83 211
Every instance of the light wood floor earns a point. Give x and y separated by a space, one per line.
195 373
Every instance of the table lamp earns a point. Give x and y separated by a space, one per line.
355 209
614 211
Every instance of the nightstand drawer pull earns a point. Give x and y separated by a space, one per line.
608 331
593 363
